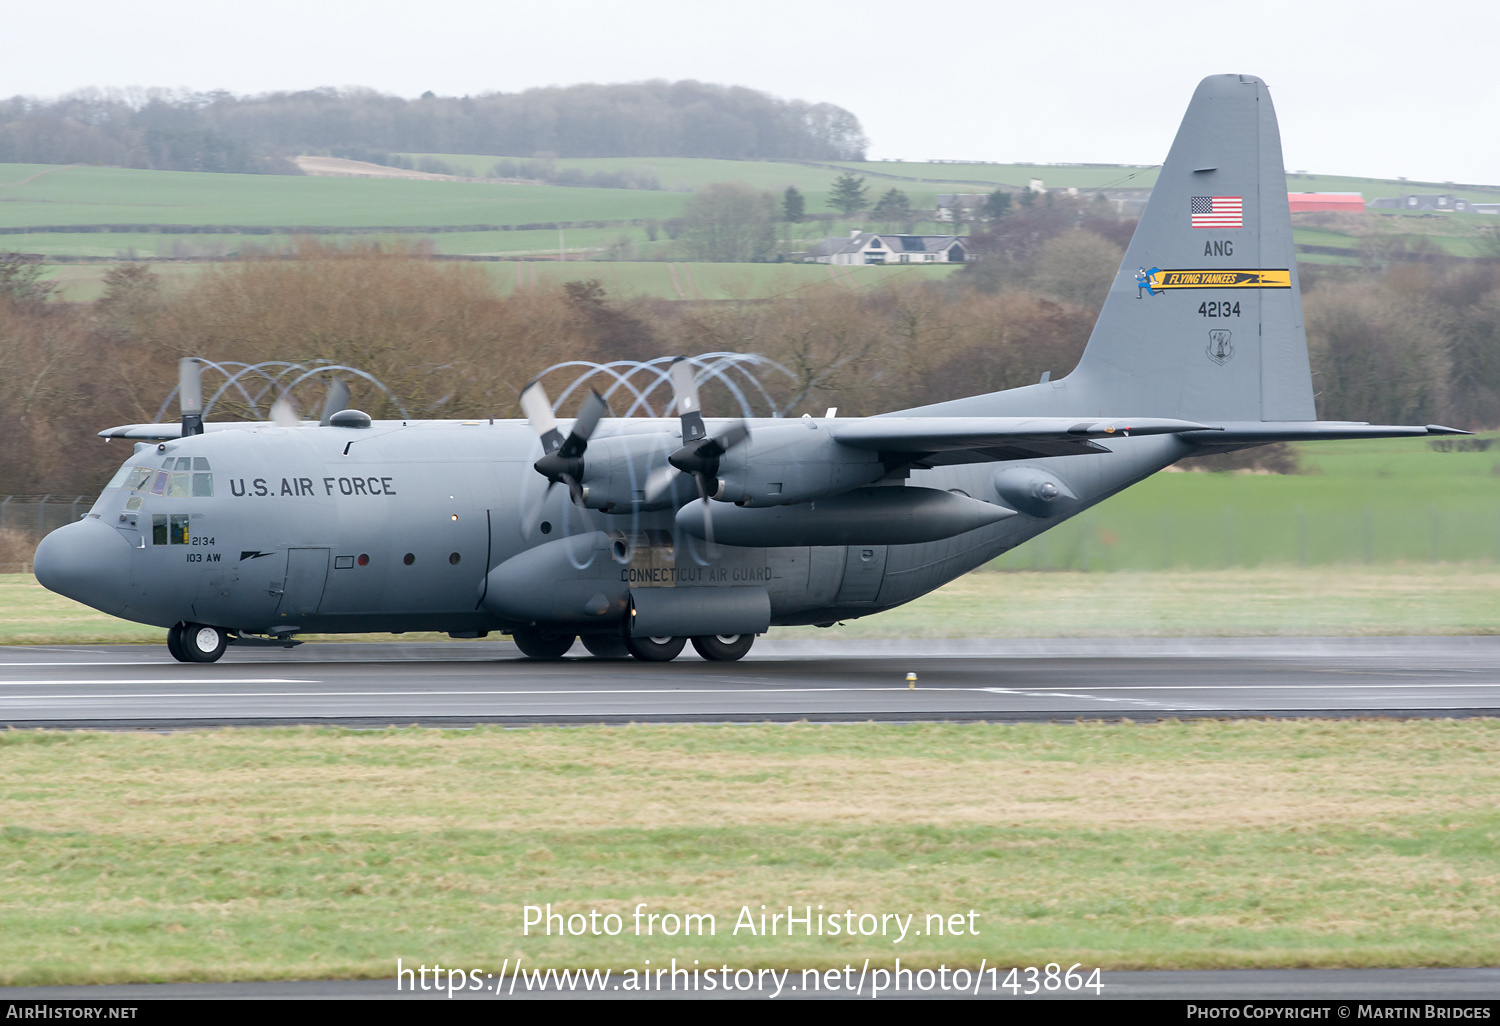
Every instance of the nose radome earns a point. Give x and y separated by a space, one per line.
88 561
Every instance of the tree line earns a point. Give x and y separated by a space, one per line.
1397 344
218 131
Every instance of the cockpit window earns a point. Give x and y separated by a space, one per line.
178 535
158 529
190 479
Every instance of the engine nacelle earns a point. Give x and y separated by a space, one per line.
791 462
616 469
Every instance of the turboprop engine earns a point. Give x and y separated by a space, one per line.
793 461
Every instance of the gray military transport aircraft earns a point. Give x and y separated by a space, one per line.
714 530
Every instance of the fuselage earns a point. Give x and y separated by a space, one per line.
396 527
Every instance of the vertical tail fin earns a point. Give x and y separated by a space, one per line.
1204 319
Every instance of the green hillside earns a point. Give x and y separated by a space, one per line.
194 216
107 195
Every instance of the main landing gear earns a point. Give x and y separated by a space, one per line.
717 648
723 648
535 644
196 642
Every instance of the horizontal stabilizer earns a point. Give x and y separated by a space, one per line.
943 441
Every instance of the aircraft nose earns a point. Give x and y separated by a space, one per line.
88 561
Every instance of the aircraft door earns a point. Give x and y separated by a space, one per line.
864 569
306 576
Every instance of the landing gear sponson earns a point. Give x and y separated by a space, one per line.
539 644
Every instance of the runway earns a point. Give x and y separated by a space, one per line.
465 683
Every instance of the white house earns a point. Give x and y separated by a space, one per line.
870 248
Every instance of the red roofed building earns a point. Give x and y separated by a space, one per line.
1307 202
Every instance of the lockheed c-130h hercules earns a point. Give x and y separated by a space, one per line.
715 530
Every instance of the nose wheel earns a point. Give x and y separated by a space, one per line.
196 642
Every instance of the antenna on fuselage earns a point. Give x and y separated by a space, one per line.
337 400
190 394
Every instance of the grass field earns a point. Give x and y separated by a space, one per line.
104 195
1375 502
276 854
932 176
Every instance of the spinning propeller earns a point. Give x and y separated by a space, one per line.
562 457
700 454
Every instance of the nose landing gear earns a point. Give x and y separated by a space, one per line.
196 642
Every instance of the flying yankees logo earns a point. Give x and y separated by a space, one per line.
1156 280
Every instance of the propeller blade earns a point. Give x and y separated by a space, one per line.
733 435
659 480
337 400
708 521
190 394
589 414
538 410
284 414
685 393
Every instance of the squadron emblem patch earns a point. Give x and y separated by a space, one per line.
1220 346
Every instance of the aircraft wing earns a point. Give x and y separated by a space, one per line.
1260 432
173 429
941 441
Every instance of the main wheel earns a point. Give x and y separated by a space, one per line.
723 648
605 646
542 644
202 643
655 650
174 643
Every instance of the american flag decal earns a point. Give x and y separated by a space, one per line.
1218 212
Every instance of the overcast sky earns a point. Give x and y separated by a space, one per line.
1371 88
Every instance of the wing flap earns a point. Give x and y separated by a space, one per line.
1261 432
